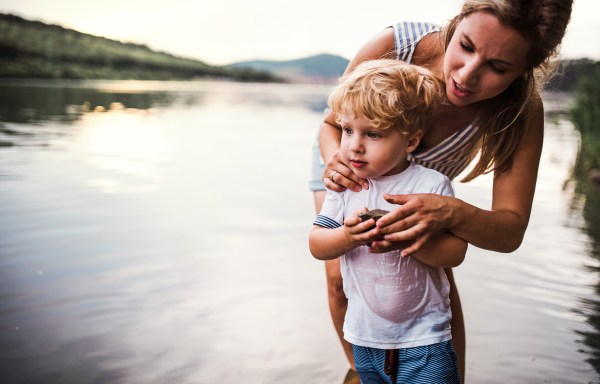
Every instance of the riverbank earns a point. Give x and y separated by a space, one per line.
586 118
32 49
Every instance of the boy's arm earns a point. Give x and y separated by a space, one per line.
329 244
442 250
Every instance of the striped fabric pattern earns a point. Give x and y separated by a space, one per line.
430 364
447 157
407 35
326 222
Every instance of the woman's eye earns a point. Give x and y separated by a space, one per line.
468 49
497 70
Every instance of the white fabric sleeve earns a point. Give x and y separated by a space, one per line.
332 213
444 188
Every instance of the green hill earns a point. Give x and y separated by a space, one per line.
32 49
319 66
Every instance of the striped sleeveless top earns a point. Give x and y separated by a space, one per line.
447 157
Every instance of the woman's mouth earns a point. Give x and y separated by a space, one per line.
458 91
358 163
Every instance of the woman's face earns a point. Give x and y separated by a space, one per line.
483 58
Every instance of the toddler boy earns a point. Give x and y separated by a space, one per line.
398 316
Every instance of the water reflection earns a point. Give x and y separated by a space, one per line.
21 104
168 244
586 202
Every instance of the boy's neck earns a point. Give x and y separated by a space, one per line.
401 167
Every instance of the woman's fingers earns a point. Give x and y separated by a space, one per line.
333 186
337 173
398 219
410 234
401 224
416 245
397 199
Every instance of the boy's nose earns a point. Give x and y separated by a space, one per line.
356 145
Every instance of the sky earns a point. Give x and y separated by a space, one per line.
227 31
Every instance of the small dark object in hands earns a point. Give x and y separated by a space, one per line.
374 214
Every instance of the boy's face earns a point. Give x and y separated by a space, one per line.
372 152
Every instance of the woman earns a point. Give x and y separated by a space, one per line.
493 56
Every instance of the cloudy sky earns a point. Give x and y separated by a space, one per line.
225 31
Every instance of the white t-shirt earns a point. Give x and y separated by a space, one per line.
393 302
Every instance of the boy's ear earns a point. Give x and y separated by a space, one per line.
414 141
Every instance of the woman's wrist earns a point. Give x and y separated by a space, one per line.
459 212
329 141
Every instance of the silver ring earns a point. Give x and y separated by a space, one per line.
333 175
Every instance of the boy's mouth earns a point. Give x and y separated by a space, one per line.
358 163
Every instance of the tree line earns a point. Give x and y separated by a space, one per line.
32 49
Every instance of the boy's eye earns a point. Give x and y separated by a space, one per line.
347 131
373 135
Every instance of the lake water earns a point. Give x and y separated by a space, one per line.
165 241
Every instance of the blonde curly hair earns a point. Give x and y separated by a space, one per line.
389 93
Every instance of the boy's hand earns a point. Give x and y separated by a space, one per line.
356 232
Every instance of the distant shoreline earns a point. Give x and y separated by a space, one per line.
32 49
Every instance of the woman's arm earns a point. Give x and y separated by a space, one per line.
331 133
500 229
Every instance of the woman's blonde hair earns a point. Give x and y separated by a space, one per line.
504 119
389 93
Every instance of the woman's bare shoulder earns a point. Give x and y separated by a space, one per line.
380 46
429 52
535 131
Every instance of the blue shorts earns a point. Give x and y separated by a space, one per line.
318 164
318 167
430 364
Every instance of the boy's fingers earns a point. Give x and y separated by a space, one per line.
363 227
368 237
380 246
351 221
359 211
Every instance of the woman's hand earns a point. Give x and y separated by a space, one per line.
420 217
338 176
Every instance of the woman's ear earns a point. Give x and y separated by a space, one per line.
413 141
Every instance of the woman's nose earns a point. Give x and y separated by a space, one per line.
469 73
